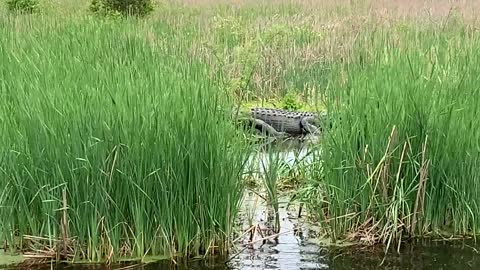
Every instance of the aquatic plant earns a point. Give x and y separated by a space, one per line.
113 145
114 140
402 157
271 166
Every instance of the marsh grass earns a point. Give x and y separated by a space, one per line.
115 142
135 134
402 158
272 165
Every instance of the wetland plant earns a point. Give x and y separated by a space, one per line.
403 162
272 166
114 142
112 145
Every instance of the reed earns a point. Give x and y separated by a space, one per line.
111 145
114 141
272 168
402 158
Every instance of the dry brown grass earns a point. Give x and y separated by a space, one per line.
396 8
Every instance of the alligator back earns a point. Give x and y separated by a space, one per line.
282 120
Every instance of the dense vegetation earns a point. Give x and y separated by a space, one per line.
403 159
116 141
22 6
134 133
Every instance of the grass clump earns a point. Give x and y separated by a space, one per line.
271 165
130 155
402 160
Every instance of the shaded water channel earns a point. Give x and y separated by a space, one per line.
298 246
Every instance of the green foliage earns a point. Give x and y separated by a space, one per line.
276 36
403 160
123 7
138 139
271 169
290 101
23 6
229 30
103 110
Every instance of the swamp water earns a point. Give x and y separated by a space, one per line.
298 246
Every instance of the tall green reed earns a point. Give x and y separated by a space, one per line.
401 159
130 126
271 168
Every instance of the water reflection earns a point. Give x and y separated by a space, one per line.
290 151
290 251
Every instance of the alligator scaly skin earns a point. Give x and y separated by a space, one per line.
281 122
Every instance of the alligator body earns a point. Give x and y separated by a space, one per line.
279 123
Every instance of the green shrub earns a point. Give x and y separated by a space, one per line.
23 6
123 7
290 101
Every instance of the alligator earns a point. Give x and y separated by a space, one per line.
281 123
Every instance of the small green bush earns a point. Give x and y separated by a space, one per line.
123 7
23 6
290 101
